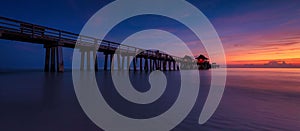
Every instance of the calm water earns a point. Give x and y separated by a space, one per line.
254 99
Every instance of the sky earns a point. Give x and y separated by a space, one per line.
252 32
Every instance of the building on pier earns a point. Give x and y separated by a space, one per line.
203 62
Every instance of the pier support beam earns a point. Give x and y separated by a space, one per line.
151 66
88 58
169 64
118 61
82 60
111 62
47 59
123 61
52 67
141 64
105 61
164 65
53 59
154 64
59 59
128 62
174 65
96 62
146 64
158 64
134 63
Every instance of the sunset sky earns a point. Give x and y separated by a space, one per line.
252 32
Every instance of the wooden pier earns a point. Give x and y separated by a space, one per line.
54 40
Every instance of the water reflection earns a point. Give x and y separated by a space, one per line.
254 99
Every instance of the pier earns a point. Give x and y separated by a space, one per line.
53 40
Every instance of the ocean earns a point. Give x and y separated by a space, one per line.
254 99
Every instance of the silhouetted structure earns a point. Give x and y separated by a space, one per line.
188 63
203 62
54 39
214 65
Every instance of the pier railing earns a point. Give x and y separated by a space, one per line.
54 39
43 34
